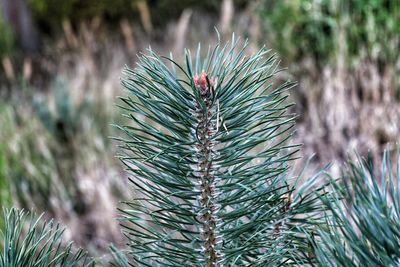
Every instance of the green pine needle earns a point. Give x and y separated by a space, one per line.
208 153
364 220
30 242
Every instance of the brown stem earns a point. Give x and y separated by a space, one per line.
205 174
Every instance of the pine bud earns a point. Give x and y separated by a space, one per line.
200 81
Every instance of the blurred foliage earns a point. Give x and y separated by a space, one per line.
49 14
5 193
62 122
7 38
316 27
297 28
71 121
29 166
5 196
44 143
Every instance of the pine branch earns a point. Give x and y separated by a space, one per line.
40 246
364 218
119 258
208 152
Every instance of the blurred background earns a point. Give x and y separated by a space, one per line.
59 79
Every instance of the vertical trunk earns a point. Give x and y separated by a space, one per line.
18 16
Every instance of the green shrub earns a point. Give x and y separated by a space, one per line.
300 28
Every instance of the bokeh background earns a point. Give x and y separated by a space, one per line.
59 82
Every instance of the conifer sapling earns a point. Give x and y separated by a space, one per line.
208 149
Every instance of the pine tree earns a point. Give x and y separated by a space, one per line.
208 149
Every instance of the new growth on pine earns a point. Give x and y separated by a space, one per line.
208 151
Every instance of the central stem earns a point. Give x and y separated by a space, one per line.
205 174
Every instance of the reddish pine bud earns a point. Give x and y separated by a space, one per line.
200 81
